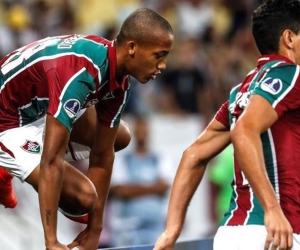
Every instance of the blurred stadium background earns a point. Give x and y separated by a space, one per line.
214 50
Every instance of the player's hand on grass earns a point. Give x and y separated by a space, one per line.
86 240
165 242
280 232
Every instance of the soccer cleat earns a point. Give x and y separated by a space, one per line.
8 196
80 219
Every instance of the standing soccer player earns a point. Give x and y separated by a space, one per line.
45 90
263 114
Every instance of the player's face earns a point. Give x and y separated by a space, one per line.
150 59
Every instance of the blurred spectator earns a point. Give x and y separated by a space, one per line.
55 17
142 103
194 17
183 83
15 29
167 8
140 182
240 13
94 16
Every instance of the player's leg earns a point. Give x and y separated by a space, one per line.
73 194
84 130
78 194
20 153
81 139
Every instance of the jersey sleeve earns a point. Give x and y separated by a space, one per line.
281 88
67 93
109 111
222 115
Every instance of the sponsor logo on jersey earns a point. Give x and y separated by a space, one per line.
72 107
109 95
272 85
31 147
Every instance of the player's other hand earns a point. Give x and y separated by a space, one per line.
165 242
86 240
57 246
280 232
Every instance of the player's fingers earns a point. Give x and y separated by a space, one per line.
74 244
290 241
286 240
269 241
278 241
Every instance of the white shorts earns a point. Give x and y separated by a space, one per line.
248 237
76 152
21 149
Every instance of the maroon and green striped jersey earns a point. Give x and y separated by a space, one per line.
60 76
276 79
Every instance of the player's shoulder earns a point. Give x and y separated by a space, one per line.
283 70
94 47
97 40
83 43
280 67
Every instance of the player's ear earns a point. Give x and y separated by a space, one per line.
289 37
131 48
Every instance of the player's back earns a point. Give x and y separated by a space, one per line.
39 71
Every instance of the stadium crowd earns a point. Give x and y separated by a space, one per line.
213 50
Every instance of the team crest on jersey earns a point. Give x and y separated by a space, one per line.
72 107
272 85
31 147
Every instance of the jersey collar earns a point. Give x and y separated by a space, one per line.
113 84
263 59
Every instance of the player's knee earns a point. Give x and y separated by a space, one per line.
81 202
88 199
123 136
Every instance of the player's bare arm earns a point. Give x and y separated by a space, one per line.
100 169
189 174
246 140
51 177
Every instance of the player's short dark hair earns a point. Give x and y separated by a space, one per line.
269 21
141 26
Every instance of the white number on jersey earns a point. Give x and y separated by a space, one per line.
26 52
